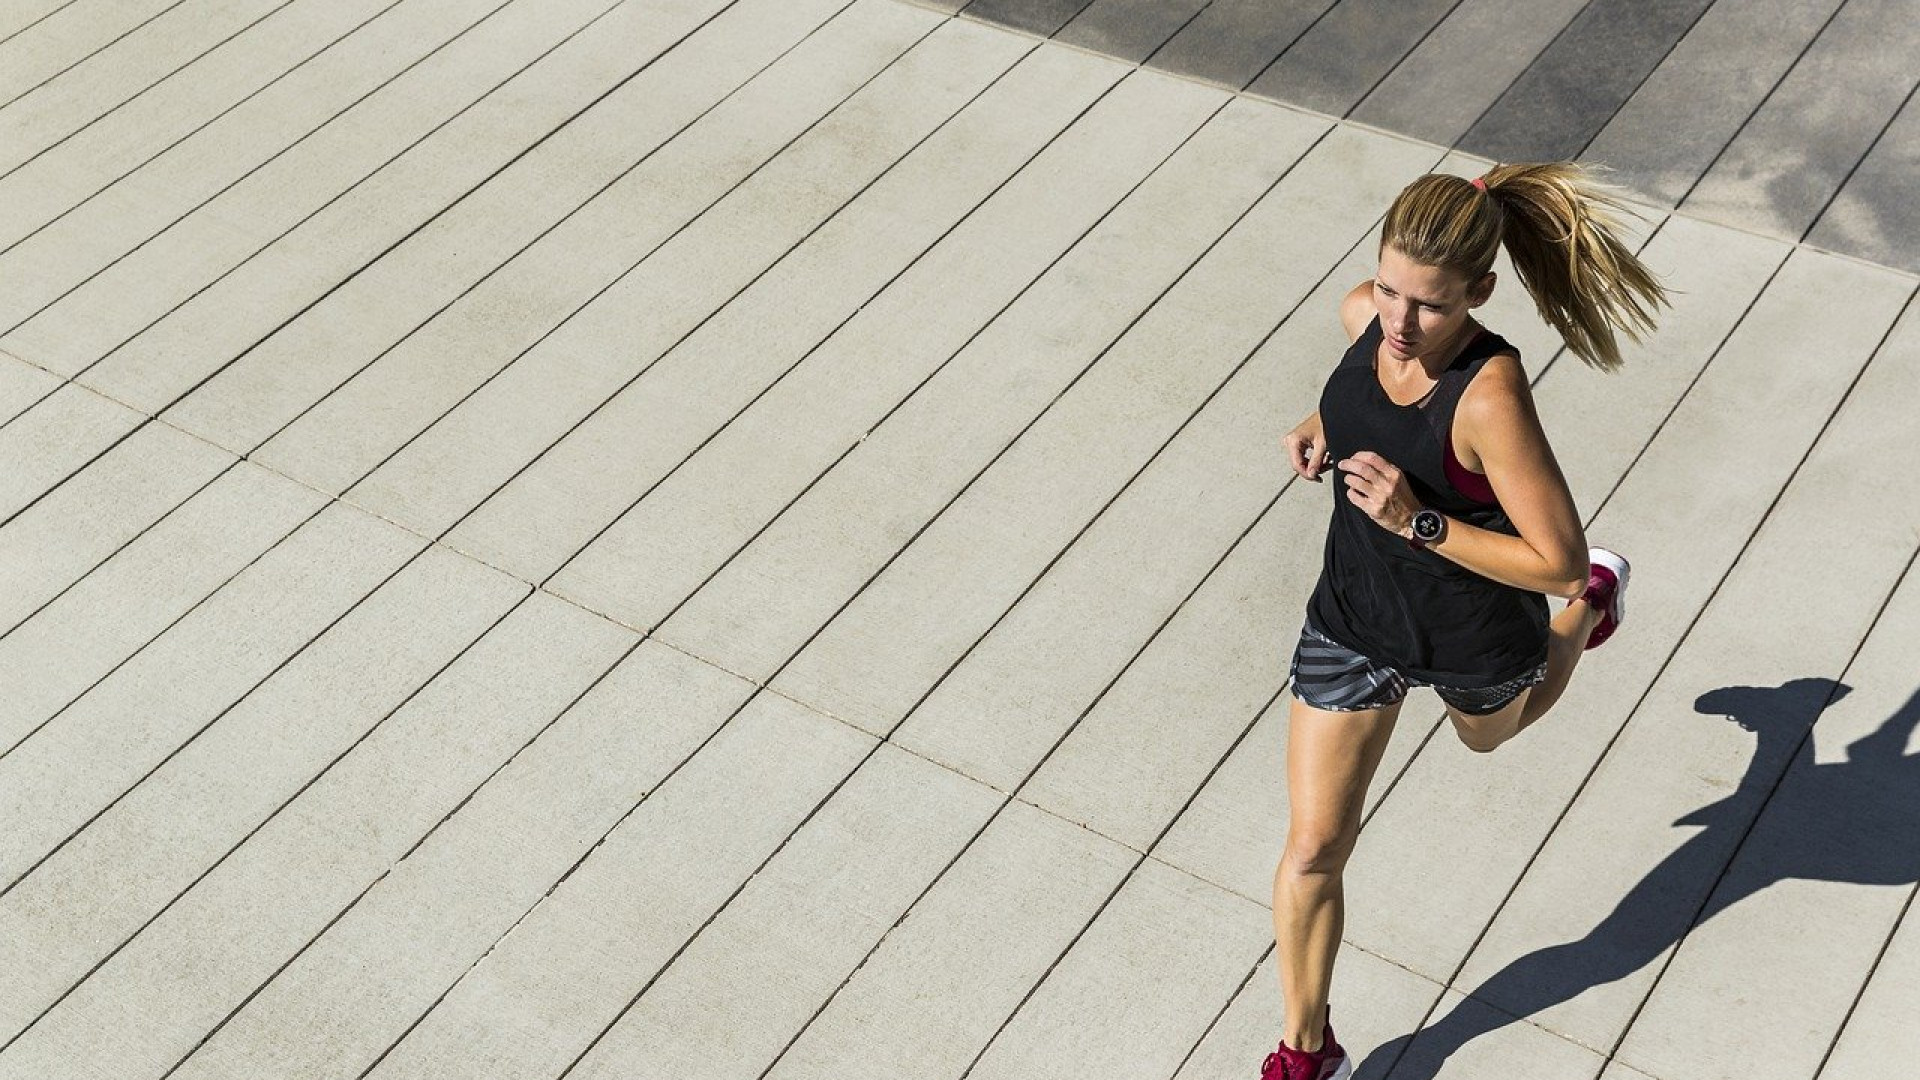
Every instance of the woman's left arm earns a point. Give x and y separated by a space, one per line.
1496 418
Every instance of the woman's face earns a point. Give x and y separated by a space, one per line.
1423 309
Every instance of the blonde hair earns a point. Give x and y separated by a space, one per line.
1556 221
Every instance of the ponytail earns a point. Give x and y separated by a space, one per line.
1559 229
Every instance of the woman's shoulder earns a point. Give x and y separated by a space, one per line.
1497 391
1357 311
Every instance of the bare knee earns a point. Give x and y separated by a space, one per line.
1481 734
1315 853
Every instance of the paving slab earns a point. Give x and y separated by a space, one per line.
197 95
78 525
1562 100
1041 17
1787 163
1656 88
1716 776
1717 276
89 628
890 464
67 216
1140 985
390 134
754 979
1093 165
810 186
237 927
354 992
22 14
117 74
963 572
1347 51
1831 849
56 646
995 716
1130 764
1880 1033
541 997
1873 215
424 190
391 350
1062 645
41 38
820 1057
1461 68
1232 831
94 750
1616 1071
1376 1001
22 385
1682 118
355 429
1130 30
55 439
1229 42
83 903
1546 1055
553 508
940 986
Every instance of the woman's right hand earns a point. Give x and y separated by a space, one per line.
1307 448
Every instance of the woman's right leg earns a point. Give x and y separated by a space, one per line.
1331 757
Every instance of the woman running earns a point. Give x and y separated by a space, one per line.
1451 525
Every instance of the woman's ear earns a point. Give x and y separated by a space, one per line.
1481 290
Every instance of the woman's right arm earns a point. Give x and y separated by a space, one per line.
1307 444
1357 309
1307 448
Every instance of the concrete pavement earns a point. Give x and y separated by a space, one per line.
748 538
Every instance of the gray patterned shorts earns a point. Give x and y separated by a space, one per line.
1329 676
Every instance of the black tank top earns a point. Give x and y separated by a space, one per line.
1430 618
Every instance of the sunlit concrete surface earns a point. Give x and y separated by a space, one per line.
749 538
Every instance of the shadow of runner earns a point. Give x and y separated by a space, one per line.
1851 821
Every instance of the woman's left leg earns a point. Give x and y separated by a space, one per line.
1331 758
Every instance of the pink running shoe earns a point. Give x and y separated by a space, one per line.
1607 592
1327 1063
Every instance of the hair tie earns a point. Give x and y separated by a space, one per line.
1480 183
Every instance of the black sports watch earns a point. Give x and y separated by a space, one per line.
1428 528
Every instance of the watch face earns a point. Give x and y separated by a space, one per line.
1426 525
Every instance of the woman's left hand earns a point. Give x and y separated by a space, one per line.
1380 490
